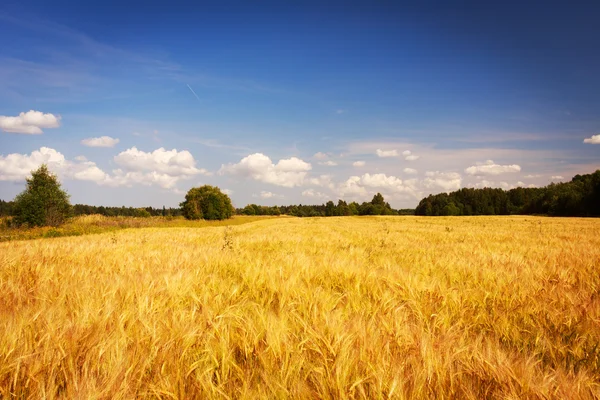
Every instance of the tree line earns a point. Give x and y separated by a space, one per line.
377 206
44 203
578 198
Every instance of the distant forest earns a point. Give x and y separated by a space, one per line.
578 198
378 206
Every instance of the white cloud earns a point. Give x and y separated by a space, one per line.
321 156
321 180
81 158
595 139
30 122
410 171
102 141
386 153
228 192
532 176
169 162
558 177
289 172
314 194
502 185
409 156
352 187
161 167
268 195
328 163
369 184
359 164
448 181
491 168
16 167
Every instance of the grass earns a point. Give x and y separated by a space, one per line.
93 224
332 308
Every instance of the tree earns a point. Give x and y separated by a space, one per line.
330 209
207 202
43 202
378 200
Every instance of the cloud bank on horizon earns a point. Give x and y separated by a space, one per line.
406 110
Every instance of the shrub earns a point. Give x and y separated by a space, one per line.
141 213
43 202
207 202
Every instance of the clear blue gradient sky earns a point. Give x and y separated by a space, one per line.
133 103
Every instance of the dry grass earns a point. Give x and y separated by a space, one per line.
387 307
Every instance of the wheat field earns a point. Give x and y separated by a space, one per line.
317 308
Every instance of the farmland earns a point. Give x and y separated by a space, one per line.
340 307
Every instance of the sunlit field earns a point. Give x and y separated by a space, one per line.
332 308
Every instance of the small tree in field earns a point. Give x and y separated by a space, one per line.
43 202
207 202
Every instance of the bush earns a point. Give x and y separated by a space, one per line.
207 202
43 202
141 213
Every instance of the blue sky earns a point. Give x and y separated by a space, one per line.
296 102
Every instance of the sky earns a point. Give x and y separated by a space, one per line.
296 102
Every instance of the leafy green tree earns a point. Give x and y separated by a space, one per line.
249 210
330 209
378 200
207 202
43 202
343 209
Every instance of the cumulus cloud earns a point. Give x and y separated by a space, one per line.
314 194
268 195
386 153
351 187
161 161
530 176
409 156
29 123
321 180
320 156
359 164
595 139
369 184
410 171
288 172
161 167
447 181
491 168
558 177
328 163
16 167
102 141
228 192
502 185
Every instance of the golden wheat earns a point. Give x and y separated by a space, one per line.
333 308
